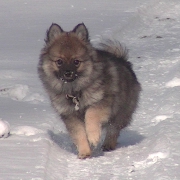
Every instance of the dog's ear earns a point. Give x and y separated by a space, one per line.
81 31
54 31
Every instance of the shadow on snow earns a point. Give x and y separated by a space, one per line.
126 138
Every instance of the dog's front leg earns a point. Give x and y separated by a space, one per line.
77 132
94 118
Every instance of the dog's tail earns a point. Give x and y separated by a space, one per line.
114 47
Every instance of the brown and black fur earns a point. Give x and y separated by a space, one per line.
101 81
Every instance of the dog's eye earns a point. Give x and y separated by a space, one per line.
59 62
76 62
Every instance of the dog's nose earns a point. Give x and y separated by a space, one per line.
68 74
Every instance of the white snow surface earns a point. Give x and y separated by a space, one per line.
39 147
4 129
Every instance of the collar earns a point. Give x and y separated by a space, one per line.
74 99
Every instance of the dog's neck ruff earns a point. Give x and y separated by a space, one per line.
75 100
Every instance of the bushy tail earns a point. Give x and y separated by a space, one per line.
115 48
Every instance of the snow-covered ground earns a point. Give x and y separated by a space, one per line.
39 147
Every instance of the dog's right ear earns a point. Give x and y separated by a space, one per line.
81 31
53 32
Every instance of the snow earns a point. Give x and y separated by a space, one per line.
173 83
4 129
21 92
38 147
26 130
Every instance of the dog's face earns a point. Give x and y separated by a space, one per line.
67 53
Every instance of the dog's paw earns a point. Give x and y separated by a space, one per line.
109 143
84 153
84 156
108 147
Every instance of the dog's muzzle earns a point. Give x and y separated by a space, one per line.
68 76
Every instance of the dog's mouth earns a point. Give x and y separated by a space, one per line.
65 80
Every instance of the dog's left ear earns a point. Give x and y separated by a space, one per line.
81 31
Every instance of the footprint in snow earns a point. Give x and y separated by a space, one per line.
20 130
148 162
159 119
21 92
26 131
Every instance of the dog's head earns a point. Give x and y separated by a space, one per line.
68 55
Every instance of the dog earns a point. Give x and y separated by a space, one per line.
90 88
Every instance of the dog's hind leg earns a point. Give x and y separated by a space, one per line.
110 142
